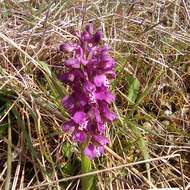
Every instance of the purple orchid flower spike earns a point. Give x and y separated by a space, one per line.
89 71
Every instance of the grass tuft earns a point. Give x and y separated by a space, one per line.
149 143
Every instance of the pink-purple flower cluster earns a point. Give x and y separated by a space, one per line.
89 71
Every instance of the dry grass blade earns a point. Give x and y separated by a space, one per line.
104 170
9 156
149 41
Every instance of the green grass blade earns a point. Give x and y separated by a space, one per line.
142 145
133 91
28 141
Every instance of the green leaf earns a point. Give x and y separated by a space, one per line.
45 67
68 168
67 150
87 181
142 144
27 138
133 91
55 85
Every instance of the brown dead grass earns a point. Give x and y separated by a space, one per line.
150 41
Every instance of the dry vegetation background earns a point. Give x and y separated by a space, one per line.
150 41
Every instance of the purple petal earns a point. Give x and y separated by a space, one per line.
105 49
68 102
108 62
67 77
89 86
100 150
90 152
110 116
101 127
79 137
80 56
94 114
79 117
92 50
109 65
82 100
77 99
83 125
79 52
100 80
110 74
78 74
83 61
107 58
68 126
102 140
89 89
73 63
86 36
89 28
67 47
97 115
97 36
107 96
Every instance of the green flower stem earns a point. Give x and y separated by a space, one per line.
87 181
